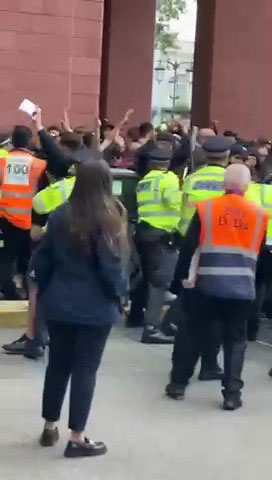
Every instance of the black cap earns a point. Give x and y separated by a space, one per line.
158 155
217 146
238 150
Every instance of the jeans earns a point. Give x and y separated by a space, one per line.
196 335
14 242
75 352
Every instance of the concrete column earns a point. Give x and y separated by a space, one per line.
233 70
128 58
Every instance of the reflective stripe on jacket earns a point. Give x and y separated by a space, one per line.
50 198
159 200
205 183
19 176
232 231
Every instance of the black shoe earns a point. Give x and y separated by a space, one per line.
232 401
49 437
32 351
208 375
152 335
17 347
270 373
86 449
170 329
175 391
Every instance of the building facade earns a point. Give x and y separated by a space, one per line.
233 71
94 56
84 55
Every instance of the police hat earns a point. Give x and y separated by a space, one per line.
238 150
217 146
158 155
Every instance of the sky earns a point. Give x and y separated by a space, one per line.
186 25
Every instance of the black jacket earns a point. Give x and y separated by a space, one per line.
74 288
59 160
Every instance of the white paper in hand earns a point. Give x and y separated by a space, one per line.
28 107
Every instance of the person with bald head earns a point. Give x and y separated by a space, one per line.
228 233
207 182
204 134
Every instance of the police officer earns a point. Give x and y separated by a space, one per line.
261 195
159 201
207 182
50 198
229 232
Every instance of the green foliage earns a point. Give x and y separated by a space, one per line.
168 10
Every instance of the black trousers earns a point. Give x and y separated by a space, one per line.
75 351
180 310
195 334
263 280
158 261
14 243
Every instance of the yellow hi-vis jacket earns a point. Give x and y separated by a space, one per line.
159 200
51 197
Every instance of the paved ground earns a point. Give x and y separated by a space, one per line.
149 436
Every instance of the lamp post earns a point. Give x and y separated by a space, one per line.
175 66
190 72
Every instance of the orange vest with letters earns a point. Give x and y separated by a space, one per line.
19 176
232 232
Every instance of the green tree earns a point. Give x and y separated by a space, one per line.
170 9
167 10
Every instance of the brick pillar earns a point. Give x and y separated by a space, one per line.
128 58
233 70
50 52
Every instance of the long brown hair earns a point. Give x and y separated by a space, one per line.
93 212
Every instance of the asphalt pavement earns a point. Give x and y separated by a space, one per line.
149 436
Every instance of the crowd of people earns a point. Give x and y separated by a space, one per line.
200 242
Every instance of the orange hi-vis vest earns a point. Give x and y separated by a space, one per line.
232 232
19 176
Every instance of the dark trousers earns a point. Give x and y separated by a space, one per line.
75 351
254 319
138 299
196 335
178 313
14 242
158 261
263 280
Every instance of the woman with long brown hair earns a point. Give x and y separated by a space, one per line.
79 270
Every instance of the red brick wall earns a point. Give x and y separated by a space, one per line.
50 52
233 70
